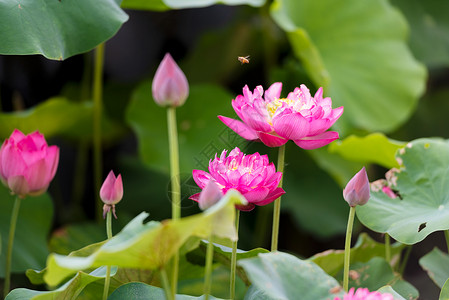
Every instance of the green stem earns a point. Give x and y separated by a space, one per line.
175 184
97 115
208 272
166 285
277 202
108 270
387 248
405 259
12 230
446 235
348 248
234 257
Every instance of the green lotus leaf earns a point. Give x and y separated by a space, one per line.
142 291
57 29
69 290
161 5
283 276
423 185
444 294
150 245
373 148
33 225
436 263
363 64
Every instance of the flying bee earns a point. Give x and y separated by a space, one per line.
243 59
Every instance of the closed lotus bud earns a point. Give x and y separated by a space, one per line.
27 163
170 86
111 192
357 191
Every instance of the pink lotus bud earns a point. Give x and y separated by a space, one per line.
210 195
357 190
170 86
27 163
111 192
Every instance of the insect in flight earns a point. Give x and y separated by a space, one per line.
243 59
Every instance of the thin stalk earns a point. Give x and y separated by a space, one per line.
234 257
12 230
175 184
348 248
405 259
208 272
446 235
108 270
97 115
387 248
166 285
277 202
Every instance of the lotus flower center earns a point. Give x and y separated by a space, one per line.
273 106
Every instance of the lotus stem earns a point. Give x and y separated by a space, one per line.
387 248
277 202
108 270
234 257
12 230
208 272
97 115
405 259
175 185
348 248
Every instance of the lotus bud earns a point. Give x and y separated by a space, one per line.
170 86
111 193
357 191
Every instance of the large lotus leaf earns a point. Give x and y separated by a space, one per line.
142 291
57 116
283 276
377 273
373 148
57 29
69 290
436 263
362 63
160 5
429 30
33 225
201 134
444 294
150 245
423 185
332 261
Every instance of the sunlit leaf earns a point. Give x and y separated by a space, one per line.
363 64
57 29
150 245
444 294
436 263
33 225
283 276
373 148
423 186
70 290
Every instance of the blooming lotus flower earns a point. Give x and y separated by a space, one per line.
273 120
170 86
357 191
365 294
111 192
27 163
252 175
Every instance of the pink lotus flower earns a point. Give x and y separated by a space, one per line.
170 86
273 120
27 163
252 175
365 294
357 191
111 192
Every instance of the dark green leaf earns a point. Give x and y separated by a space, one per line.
57 29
